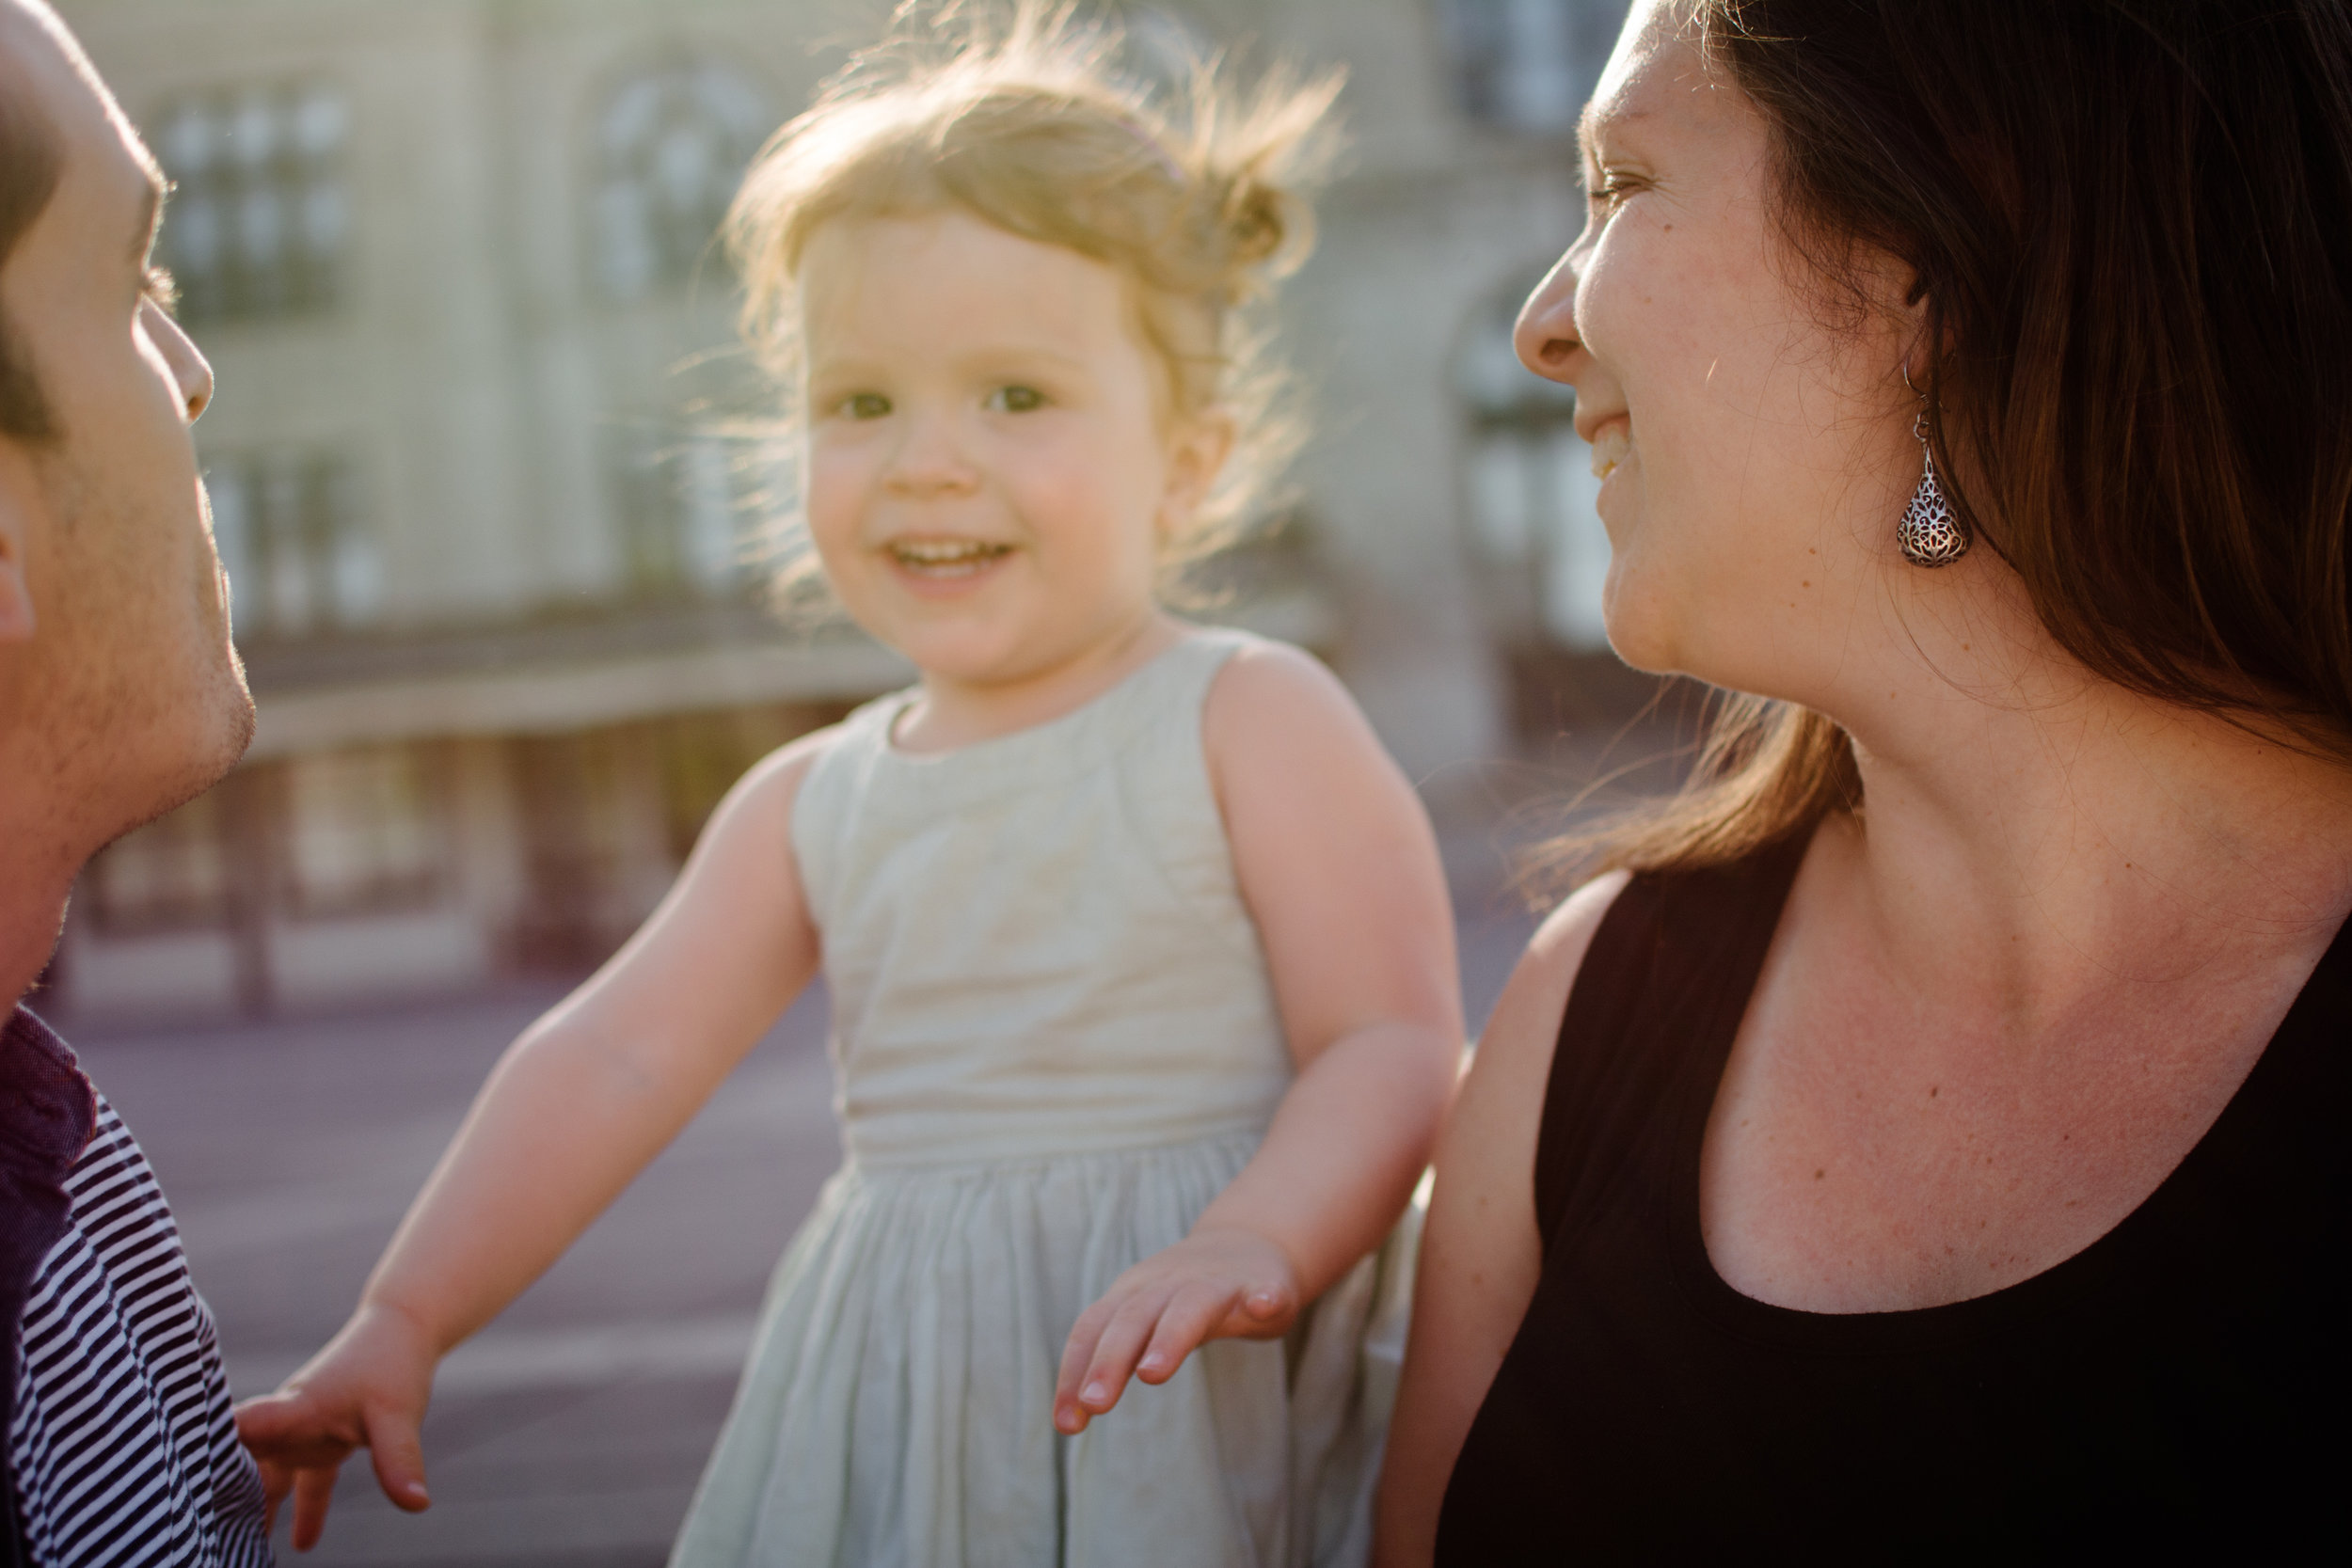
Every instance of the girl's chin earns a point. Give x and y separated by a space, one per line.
937 585
967 655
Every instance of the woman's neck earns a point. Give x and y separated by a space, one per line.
2034 851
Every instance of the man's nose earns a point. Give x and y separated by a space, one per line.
1545 336
189 368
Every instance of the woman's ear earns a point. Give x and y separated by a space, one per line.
1197 451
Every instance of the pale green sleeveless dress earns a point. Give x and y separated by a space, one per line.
1053 1043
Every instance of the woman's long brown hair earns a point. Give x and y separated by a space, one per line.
2131 226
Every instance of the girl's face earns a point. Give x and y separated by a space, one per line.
1755 455
990 466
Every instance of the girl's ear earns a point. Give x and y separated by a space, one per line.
1197 451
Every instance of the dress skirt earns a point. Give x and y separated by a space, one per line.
897 1408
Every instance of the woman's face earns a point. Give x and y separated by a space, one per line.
1756 447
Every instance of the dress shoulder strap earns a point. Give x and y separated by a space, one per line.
827 802
1662 986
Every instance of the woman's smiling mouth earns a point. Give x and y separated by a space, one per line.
1611 445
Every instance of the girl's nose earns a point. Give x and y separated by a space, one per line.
1546 334
928 460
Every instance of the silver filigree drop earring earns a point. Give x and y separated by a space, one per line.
1930 533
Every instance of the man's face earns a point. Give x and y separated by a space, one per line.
121 694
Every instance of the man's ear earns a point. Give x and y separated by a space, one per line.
1197 454
18 493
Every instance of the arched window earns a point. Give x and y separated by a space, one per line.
261 212
1529 65
671 146
1529 493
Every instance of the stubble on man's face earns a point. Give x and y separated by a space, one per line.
151 698
135 700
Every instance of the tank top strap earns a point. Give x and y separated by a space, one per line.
1660 991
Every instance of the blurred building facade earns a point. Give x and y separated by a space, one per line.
496 539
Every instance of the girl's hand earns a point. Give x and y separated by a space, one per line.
1220 1283
367 1389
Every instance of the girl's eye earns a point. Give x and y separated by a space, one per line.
864 406
1016 400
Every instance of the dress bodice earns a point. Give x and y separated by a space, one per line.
1036 944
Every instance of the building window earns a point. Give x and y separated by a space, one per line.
1531 493
1529 65
671 145
260 211
300 555
170 874
363 831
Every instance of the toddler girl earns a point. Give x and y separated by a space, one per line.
1140 955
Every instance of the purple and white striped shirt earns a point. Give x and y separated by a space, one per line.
123 1446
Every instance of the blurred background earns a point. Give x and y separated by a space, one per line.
497 546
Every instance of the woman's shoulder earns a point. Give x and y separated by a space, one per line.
1517 1044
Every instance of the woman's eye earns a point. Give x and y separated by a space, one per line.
1016 400
864 406
1608 189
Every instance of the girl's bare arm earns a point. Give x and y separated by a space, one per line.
1340 870
1481 1255
576 1108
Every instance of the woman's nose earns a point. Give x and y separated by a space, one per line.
1546 334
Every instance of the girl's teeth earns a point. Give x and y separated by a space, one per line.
957 558
1611 447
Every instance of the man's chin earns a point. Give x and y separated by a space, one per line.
243 717
233 731
204 759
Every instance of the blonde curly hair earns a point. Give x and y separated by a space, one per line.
1021 114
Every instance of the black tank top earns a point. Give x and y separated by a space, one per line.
2179 1383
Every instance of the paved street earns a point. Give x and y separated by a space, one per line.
571 1430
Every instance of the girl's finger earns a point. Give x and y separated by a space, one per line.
1115 1354
290 1429
276 1482
313 1490
399 1456
1270 1303
1076 1355
1192 1314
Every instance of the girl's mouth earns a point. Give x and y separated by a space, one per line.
946 558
